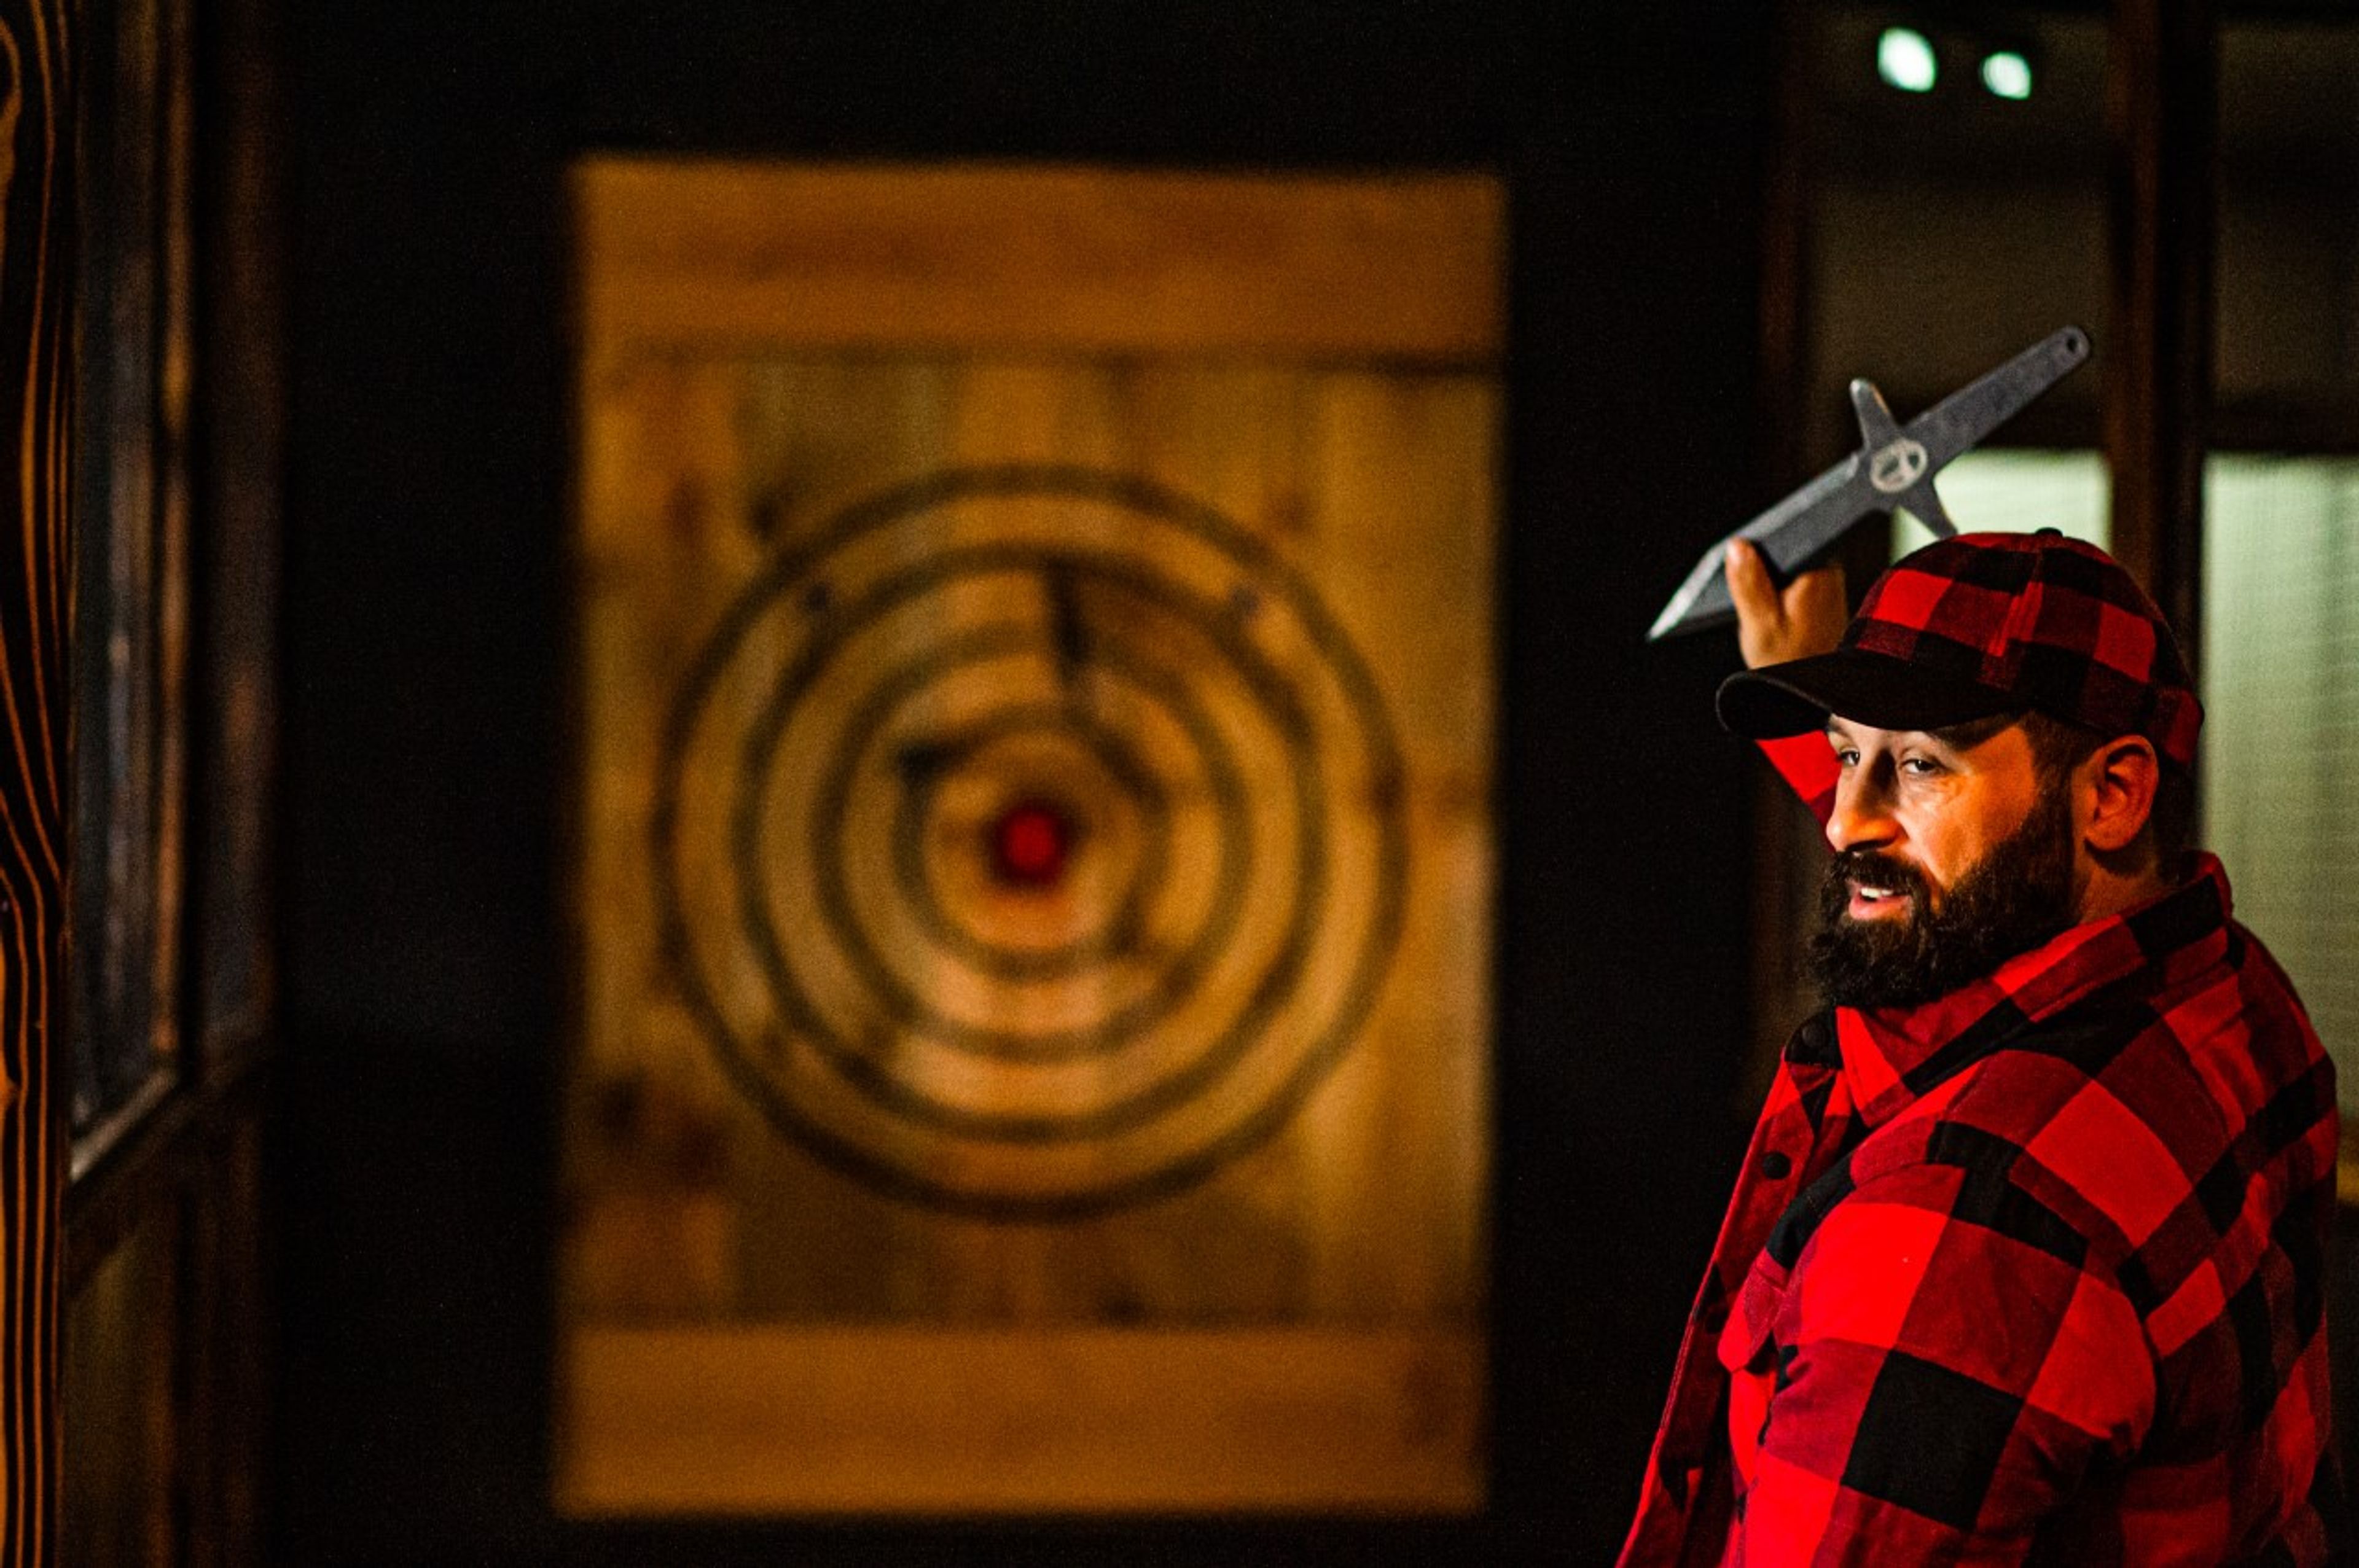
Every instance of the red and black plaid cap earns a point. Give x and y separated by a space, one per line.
1984 624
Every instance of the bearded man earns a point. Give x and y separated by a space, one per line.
2025 1260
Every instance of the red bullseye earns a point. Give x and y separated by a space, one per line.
1031 843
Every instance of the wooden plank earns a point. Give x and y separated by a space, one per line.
1067 259
123 1431
36 338
884 1419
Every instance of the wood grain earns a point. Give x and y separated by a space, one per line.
782 1419
36 226
1080 259
1368 1204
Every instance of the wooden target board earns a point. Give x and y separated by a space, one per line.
1034 869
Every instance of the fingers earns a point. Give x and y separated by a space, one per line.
1760 613
1749 588
1816 610
1772 627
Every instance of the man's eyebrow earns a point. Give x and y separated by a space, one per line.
1966 737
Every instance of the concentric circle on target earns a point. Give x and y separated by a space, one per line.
1029 842
1032 814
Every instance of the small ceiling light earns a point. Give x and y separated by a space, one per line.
1904 58
2007 74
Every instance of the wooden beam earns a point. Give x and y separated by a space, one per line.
1053 259
37 376
2162 91
975 1421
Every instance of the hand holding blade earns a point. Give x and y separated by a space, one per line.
1893 468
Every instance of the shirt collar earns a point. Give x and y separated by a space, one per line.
1892 1055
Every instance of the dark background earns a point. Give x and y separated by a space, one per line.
425 748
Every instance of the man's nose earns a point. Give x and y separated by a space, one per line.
1862 813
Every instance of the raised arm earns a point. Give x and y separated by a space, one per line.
1773 626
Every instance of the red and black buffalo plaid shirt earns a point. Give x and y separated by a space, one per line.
2031 1273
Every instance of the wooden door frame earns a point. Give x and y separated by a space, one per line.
177 1169
37 314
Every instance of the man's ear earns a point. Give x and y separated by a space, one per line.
2117 785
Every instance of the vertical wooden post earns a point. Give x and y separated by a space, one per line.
1785 872
36 354
2162 70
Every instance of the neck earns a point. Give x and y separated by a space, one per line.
2109 889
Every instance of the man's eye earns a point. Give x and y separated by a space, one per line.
1847 755
1920 767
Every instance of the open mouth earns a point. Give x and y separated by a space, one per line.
1871 900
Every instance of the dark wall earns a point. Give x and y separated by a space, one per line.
424 987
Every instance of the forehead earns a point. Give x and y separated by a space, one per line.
1868 737
1860 731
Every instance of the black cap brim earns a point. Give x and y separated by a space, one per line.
1797 698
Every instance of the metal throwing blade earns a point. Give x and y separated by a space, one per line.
1894 468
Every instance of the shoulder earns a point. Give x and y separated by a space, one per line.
2268 1005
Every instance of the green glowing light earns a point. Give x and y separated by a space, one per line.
1904 58
2007 74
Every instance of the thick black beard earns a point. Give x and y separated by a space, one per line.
2015 897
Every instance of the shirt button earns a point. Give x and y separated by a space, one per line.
1776 1166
